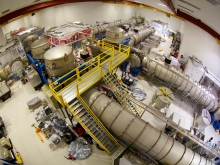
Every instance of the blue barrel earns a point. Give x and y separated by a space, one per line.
136 71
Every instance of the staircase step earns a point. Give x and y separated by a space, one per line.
74 103
76 106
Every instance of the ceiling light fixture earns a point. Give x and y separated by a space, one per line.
162 5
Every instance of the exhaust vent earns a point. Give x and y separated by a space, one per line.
214 2
185 8
5 11
184 11
36 1
190 4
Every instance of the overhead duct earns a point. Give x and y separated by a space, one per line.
152 141
181 81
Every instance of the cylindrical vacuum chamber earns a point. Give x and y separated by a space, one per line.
59 60
39 47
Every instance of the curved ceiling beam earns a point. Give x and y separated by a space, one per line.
39 6
199 23
169 4
43 5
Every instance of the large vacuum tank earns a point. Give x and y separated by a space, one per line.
115 34
59 60
134 60
145 47
39 47
28 41
203 120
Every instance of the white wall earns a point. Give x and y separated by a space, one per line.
196 41
173 23
88 12
199 43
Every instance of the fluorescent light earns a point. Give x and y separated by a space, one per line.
162 4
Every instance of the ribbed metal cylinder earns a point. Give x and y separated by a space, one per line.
135 130
184 83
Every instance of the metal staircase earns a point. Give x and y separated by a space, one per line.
67 90
92 125
112 80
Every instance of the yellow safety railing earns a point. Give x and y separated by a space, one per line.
86 128
121 98
112 51
97 120
138 109
86 76
89 80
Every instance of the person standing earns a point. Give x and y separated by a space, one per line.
128 69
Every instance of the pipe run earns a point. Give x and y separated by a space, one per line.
143 135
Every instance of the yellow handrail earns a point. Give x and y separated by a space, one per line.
122 99
97 120
87 129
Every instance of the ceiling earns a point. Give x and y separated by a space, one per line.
13 5
200 9
154 3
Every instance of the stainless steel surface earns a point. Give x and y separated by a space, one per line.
59 60
57 53
39 47
145 47
185 84
29 40
115 34
140 36
203 120
125 124
134 60
102 28
167 121
162 101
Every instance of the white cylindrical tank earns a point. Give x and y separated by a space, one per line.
115 34
59 60
39 47
160 100
28 41
134 60
145 47
203 120
135 130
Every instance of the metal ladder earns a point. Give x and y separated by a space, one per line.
111 80
92 125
